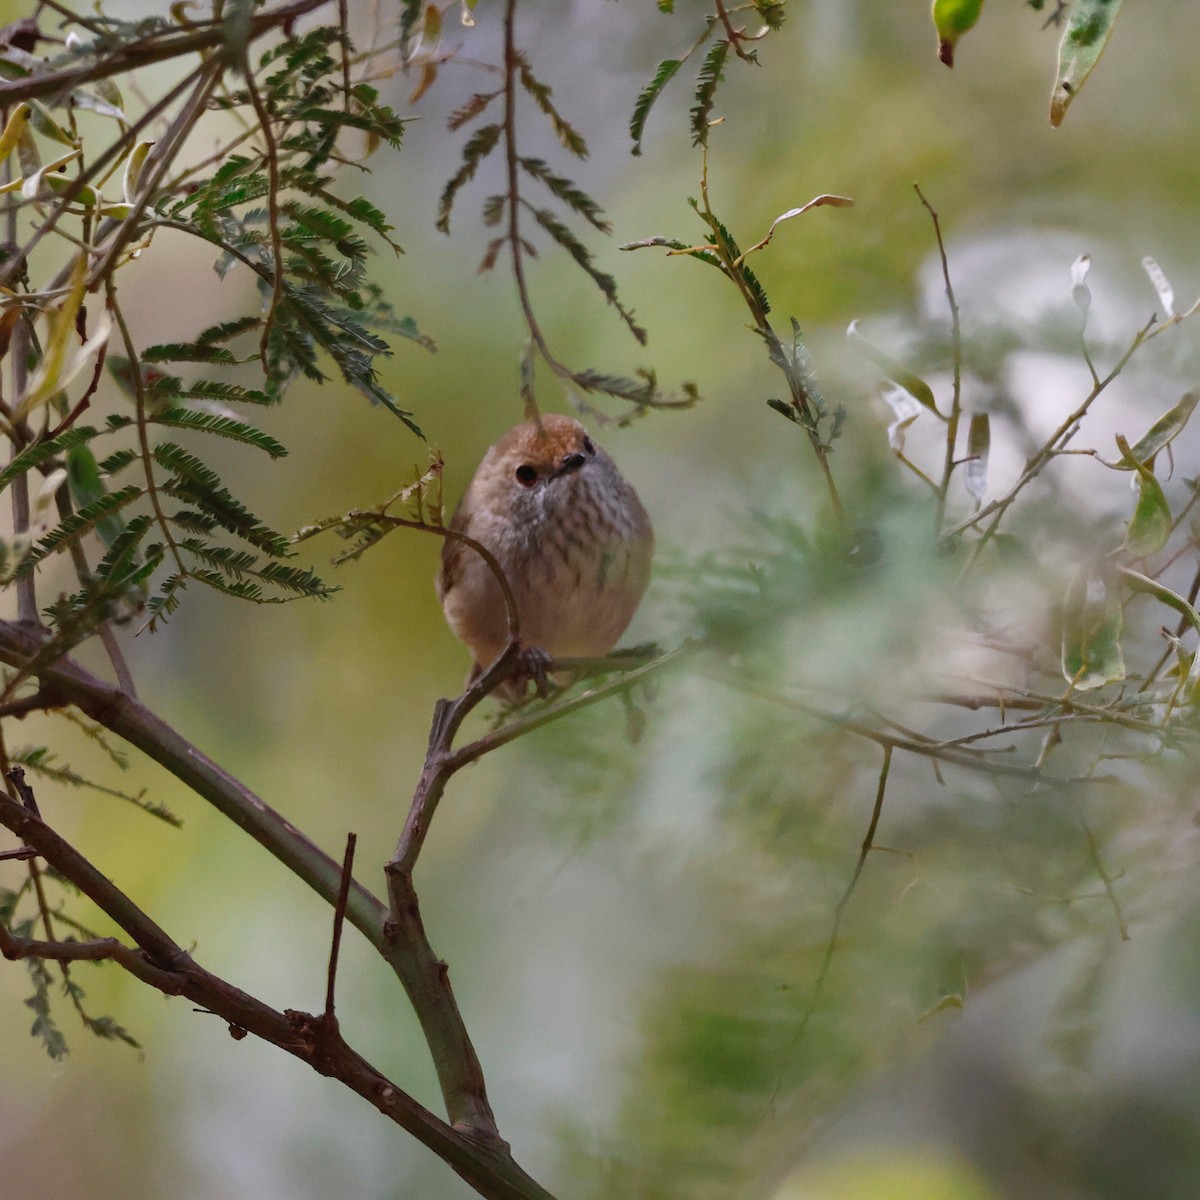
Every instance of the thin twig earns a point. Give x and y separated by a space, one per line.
139 391
271 153
344 23
1105 878
27 605
973 760
339 916
1063 434
948 462
839 910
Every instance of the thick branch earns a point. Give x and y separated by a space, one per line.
449 1044
163 963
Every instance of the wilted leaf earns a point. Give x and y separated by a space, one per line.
1080 292
57 367
106 102
1162 285
905 408
979 444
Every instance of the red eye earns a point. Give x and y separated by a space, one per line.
526 475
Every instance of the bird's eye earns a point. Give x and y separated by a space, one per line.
588 447
526 475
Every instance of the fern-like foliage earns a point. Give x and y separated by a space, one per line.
712 69
712 72
147 511
665 72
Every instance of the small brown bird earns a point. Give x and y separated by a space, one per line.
570 534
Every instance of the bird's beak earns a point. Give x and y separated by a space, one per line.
570 462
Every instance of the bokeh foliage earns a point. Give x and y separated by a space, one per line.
820 646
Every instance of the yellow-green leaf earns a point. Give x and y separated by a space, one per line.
58 365
1149 528
899 375
1089 27
48 127
31 184
1161 433
1091 632
133 169
14 129
1151 587
951 19
87 196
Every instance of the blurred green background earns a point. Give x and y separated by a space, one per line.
634 929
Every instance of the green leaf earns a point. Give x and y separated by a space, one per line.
706 256
583 256
43 452
227 330
914 385
712 72
166 387
238 565
1143 583
43 1026
81 523
375 119
951 19
663 74
187 352
1161 433
567 192
1089 27
226 427
41 762
481 143
87 485
568 135
1091 647
1149 528
48 127
772 12
200 485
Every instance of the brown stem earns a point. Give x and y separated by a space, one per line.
155 47
339 916
271 153
139 391
27 607
161 962
449 1044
